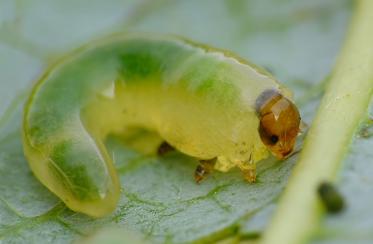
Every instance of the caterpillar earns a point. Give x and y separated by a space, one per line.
204 102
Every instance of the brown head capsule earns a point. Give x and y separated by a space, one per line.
279 122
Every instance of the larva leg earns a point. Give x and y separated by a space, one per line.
164 148
203 169
249 172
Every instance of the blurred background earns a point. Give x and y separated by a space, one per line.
296 40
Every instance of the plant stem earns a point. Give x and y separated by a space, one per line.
344 105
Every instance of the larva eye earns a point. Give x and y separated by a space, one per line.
274 139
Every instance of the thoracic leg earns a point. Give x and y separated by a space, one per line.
203 169
164 148
249 172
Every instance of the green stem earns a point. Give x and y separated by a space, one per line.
342 108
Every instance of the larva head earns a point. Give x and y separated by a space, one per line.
279 122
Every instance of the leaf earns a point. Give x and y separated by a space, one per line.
296 40
113 236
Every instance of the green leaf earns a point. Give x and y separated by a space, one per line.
113 236
296 40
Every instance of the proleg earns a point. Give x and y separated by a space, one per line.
201 101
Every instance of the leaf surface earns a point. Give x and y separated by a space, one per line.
296 40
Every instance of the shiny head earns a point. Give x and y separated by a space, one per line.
279 122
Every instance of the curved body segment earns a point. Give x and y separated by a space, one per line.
199 100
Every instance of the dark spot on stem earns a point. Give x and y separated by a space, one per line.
330 197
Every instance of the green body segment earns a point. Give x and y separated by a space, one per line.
198 99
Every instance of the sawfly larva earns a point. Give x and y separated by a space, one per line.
204 102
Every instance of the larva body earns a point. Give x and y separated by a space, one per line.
199 100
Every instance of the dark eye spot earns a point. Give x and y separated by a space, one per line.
274 139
